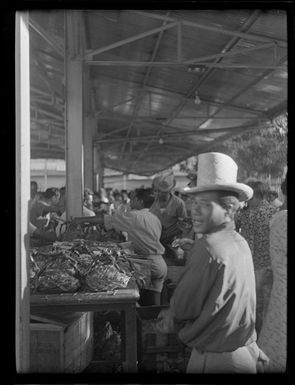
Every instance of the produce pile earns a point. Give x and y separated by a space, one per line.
82 265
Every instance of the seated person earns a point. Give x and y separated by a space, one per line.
144 231
40 209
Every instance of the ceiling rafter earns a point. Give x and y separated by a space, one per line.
180 133
45 112
226 54
241 35
158 119
48 37
89 55
174 64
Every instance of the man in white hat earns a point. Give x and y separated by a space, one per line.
169 208
213 305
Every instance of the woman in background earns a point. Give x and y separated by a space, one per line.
273 336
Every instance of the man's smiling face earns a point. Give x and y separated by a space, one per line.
207 213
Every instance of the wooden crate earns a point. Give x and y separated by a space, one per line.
61 348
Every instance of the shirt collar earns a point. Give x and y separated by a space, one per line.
228 226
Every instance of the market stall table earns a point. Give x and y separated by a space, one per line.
123 300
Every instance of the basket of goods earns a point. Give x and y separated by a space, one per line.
82 265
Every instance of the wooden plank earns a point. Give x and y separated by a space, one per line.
47 320
130 365
22 74
73 124
85 299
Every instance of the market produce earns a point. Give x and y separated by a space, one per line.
82 265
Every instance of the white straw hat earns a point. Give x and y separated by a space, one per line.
218 172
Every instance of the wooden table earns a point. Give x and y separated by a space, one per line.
123 300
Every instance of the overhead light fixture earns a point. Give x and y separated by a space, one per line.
196 68
197 100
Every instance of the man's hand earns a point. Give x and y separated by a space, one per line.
165 321
262 362
184 243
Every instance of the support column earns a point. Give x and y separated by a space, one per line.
88 149
73 123
98 167
22 184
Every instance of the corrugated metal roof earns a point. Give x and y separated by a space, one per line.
191 92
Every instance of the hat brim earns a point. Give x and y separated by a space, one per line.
244 192
166 189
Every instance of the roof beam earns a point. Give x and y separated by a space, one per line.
241 35
181 133
119 43
230 53
50 39
159 119
132 63
44 112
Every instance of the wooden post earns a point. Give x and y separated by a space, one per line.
88 133
98 167
22 74
74 122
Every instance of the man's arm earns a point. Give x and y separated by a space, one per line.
98 219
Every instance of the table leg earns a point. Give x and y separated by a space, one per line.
131 339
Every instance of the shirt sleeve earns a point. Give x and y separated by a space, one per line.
118 221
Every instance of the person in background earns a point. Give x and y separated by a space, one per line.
144 231
273 335
34 189
117 201
213 305
34 194
125 201
88 203
273 199
170 209
40 210
254 227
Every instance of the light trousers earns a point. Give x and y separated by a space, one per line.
242 360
